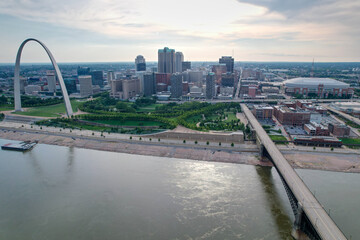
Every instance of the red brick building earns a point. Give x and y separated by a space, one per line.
339 130
263 111
291 116
316 129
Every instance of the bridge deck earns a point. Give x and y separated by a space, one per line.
321 221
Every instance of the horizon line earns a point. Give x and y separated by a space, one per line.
10 63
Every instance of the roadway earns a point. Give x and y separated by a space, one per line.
240 100
322 223
347 116
238 86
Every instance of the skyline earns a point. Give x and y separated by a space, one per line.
112 31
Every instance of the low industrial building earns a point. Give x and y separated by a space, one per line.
263 111
316 129
352 108
270 90
317 141
339 130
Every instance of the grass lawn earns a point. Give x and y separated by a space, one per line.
351 141
50 111
4 108
150 108
231 116
278 138
127 123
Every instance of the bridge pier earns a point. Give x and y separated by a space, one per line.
261 148
297 233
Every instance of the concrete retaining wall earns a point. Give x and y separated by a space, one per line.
237 137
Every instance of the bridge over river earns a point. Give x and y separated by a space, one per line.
311 220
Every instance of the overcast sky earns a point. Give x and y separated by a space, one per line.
204 30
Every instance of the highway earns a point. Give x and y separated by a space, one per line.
322 223
347 116
257 101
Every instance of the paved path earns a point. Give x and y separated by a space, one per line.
322 223
143 139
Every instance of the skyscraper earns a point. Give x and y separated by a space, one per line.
149 84
219 70
179 59
83 71
227 79
166 60
176 85
51 80
131 87
210 85
186 66
85 82
110 76
70 84
97 78
229 61
140 64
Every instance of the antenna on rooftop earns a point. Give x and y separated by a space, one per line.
312 69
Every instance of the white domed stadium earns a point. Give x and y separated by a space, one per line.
320 87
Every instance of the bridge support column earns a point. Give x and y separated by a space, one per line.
297 233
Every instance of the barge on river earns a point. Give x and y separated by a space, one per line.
21 147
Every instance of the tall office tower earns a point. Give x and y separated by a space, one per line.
97 78
185 66
85 82
229 61
70 84
110 76
140 64
83 71
23 84
51 80
227 79
195 76
176 85
179 59
116 88
131 87
166 60
210 85
149 84
219 70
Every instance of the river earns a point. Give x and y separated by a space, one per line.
55 192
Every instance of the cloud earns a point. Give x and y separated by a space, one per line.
316 26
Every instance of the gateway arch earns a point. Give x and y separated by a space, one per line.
17 98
